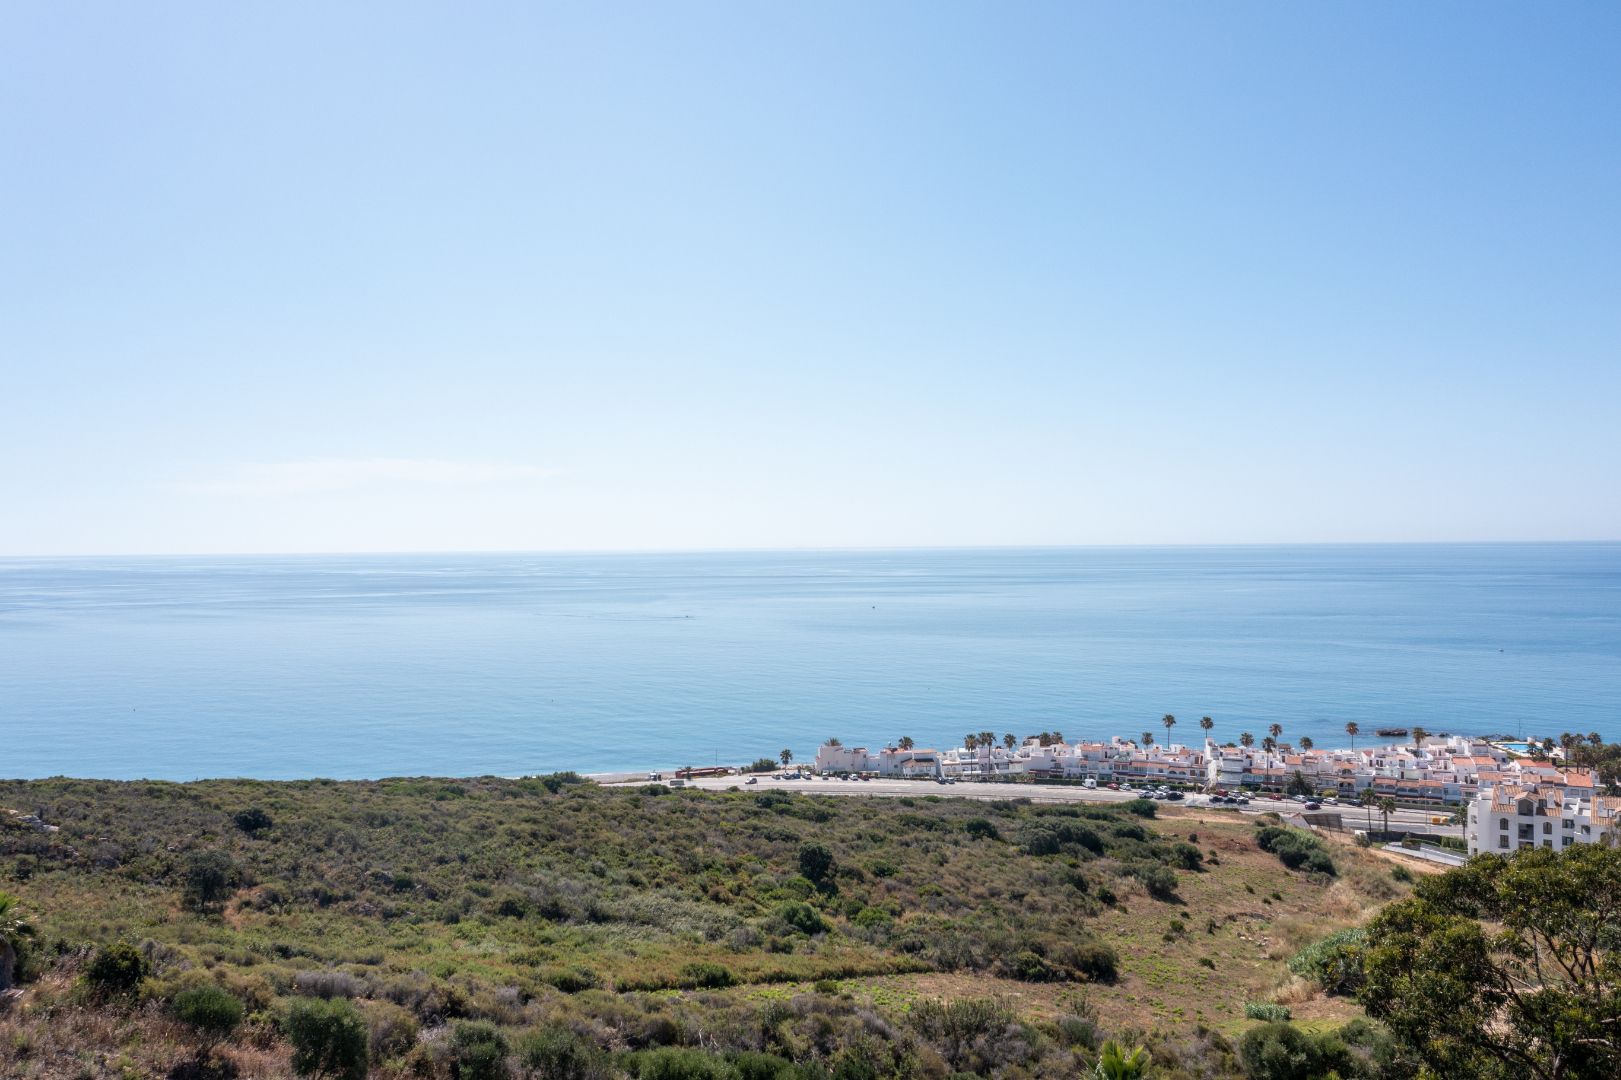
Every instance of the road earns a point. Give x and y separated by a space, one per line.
1353 816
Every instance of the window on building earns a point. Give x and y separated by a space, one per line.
1547 827
1569 824
1502 841
1502 823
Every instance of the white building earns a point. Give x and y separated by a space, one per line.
1505 819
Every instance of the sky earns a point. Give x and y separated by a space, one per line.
281 277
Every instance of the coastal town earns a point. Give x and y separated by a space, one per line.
1508 794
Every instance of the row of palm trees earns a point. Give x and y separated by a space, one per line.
975 740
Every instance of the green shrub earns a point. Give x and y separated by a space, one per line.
209 1011
752 1065
478 1051
572 980
1158 879
252 821
1295 849
981 829
1265 1010
870 917
560 1054
706 976
1186 856
329 1038
1087 958
209 878
1027 966
1141 807
815 862
1334 963
117 970
1280 1051
802 917
669 1063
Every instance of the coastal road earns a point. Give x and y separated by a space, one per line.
1352 816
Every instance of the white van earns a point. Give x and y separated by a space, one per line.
1090 781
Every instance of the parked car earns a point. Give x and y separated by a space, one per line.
752 780
1112 787
1314 806
1173 795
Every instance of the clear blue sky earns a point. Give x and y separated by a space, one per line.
328 277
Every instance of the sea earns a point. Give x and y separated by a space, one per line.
361 666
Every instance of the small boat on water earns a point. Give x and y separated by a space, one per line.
1391 732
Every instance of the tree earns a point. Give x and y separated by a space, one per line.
1148 738
1115 1062
1298 784
785 757
1009 741
1419 735
210 1012
1246 740
209 878
1058 737
1387 806
1170 722
815 862
1206 723
1269 744
835 741
1353 729
1368 799
328 1037
906 742
12 931
1306 743
1505 967
970 741
1275 730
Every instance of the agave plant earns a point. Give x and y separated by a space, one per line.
12 930
1115 1062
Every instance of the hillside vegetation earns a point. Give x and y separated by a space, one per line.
547 927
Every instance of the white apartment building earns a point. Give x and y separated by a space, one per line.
1504 819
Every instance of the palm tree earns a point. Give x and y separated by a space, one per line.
1269 743
1275 730
1058 736
987 739
970 741
1246 740
1305 742
1115 1062
1353 729
1170 722
1369 797
1387 806
1009 740
12 930
1419 735
834 742
906 742
1206 723
786 756
1148 738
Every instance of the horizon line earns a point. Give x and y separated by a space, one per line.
809 549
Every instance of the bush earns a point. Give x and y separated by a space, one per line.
560 1054
1265 1010
478 1051
1279 1051
117 970
815 862
209 1011
980 829
329 1038
208 879
1295 849
1090 959
1141 807
390 1030
1334 963
1027 966
1158 879
252 821
672 1064
802 917
702 976
1187 856
572 980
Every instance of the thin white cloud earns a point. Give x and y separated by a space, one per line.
320 475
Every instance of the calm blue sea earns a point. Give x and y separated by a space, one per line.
365 666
